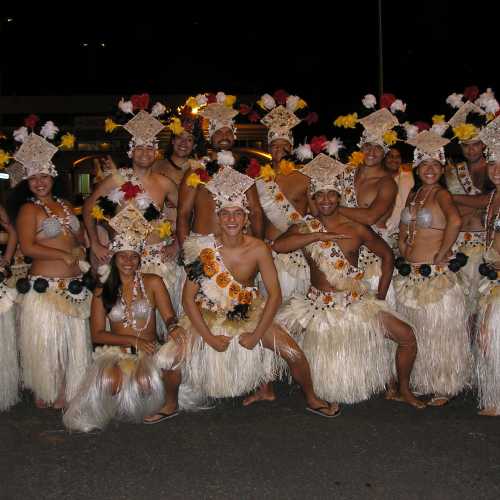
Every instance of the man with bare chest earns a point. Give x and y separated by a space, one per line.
196 208
340 325
232 343
144 190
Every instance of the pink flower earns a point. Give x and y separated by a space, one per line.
318 144
386 100
471 93
140 101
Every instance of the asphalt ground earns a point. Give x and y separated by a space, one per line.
376 449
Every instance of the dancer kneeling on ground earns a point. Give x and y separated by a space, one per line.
234 345
124 381
342 327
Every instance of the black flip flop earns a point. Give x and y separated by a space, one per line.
163 416
317 411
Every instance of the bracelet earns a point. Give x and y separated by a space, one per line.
172 325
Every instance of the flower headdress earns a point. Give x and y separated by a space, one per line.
428 146
144 126
283 113
383 127
36 151
217 109
474 112
324 173
490 136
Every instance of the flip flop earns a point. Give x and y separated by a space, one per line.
318 411
163 416
433 401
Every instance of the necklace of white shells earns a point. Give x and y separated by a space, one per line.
65 220
137 307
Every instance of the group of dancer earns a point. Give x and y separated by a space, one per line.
210 275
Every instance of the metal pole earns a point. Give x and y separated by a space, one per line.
380 52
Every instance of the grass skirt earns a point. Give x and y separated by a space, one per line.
487 346
54 340
436 306
344 341
9 363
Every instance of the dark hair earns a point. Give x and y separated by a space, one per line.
21 194
199 142
111 287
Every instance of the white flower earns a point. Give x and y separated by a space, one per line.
126 106
439 128
143 200
398 105
116 195
334 146
484 98
221 97
268 101
304 152
84 266
21 134
103 271
201 99
49 130
291 102
491 106
411 130
225 158
158 109
369 101
455 100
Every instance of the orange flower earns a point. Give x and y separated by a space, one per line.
315 225
340 264
354 295
207 255
234 289
245 297
210 269
327 299
279 197
295 216
439 269
325 244
223 279
467 237
61 285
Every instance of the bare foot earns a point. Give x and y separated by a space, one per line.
264 393
328 409
438 401
405 397
489 412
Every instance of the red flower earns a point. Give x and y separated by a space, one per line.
211 98
386 100
130 190
254 117
280 97
471 93
140 101
31 121
422 126
318 144
202 174
245 109
311 118
253 169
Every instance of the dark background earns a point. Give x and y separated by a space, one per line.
325 52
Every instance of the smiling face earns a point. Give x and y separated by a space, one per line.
392 160
472 151
127 262
494 173
374 154
232 220
430 171
326 201
144 156
279 149
183 144
41 185
223 139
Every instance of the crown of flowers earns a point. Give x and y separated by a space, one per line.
39 143
473 112
144 125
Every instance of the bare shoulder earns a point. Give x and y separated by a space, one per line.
28 210
388 181
162 179
151 280
256 246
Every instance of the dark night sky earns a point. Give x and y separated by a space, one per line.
327 55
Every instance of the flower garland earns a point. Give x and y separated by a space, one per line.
218 288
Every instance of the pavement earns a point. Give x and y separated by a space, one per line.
377 449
